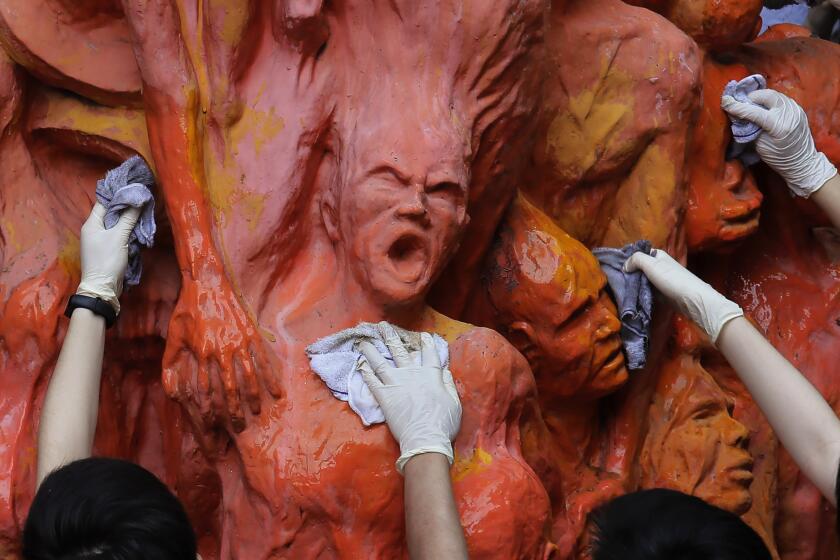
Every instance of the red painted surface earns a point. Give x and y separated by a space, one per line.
320 164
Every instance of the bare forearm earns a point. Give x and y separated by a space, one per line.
432 524
71 405
805 423
828 199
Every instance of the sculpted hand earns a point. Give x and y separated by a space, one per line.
786 144
420 403
104 255
692 296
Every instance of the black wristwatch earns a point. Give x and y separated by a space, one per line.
98 306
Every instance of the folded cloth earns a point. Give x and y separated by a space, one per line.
633 297
339 363
127 186
744 131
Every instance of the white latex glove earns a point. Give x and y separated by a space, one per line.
835 3
692 297
104 255
786 144
420 403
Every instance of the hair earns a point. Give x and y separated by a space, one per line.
102 509
664 524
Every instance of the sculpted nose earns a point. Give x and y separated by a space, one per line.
739 435
414 205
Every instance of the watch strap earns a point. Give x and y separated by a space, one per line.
98 306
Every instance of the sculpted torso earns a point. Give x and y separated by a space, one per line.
301 484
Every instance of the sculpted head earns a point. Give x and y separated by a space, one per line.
723 199
398 203
548 295
714 25
694 444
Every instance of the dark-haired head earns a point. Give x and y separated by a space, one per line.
106 509
667 525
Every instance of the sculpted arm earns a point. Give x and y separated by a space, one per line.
803 420
214 351
71 405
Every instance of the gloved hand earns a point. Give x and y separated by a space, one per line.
420 403
692 297
835 3
786 144
104 255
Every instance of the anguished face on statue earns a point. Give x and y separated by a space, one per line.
550 300
694 444
399 209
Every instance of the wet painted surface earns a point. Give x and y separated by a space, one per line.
445 166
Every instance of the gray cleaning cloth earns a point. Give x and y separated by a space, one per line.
633 297
339 363
744 132
128 186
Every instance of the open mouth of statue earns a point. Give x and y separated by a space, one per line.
408 257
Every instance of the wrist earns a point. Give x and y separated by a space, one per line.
408 452
725 311
85 314
94 305
814 173
427 461
99 291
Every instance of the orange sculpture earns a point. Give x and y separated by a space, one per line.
697 446
546 294
321 164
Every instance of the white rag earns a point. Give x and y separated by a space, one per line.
339 363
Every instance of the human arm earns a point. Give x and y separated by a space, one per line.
805 423
423 412
787 146
433 527
828 199
71 405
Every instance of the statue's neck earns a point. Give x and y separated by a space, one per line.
328 298
573 427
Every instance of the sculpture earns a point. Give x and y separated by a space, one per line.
698 448
325 163
546 294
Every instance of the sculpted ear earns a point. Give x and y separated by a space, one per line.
326 183
521 335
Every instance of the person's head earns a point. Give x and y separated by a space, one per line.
723 199
694 445
106 509
549 299
664 524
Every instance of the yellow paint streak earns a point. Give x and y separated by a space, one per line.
260 126
234 20
68 254
592 123
647 200
120 125
449 329
254 205
11 235
466 466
